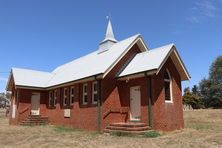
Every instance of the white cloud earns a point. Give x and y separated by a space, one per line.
193 19
3 79
203 9
206 8
2 90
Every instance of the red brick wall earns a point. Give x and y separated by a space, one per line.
167 116
124 89
24 105
111 93
82 116
115 96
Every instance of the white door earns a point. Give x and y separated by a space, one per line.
135 103
35 102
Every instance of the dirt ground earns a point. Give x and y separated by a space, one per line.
203 130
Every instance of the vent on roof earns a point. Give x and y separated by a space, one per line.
109 40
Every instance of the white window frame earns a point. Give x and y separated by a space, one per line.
71 95
65 96
55 97
50 98
84 93
171 91
94 92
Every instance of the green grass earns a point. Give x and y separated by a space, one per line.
61 129
199 126
151 134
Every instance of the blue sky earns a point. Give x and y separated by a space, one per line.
44 34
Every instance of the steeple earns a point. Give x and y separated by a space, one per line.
109 39
109 33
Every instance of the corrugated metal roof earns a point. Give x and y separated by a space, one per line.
100 63
146 61
32 78
89 65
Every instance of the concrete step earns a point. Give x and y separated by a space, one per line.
129 124
128 128
35 120
126 132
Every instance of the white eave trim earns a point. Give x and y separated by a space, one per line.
137 75
9 81
173 49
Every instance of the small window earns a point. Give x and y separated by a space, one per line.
55 97
65 97
168 87
72 95
94 92
51 99
84 94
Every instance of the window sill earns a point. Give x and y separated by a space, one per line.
170 102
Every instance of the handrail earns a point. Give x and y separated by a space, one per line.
122 110
24 110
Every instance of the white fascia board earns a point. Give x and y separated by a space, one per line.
8 82
182 64
137 75
173 49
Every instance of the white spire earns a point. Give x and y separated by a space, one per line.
109 33
109 39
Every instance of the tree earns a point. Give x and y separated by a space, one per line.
187 89
192 98
211 88
5 99
195 90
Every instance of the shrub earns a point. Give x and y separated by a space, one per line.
151 134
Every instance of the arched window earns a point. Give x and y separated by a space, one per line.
167 86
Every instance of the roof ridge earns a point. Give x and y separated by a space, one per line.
77 59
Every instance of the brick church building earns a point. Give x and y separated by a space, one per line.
123 85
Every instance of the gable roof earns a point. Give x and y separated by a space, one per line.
32 78
153 60
90 65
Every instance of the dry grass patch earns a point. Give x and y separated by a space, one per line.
203 129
